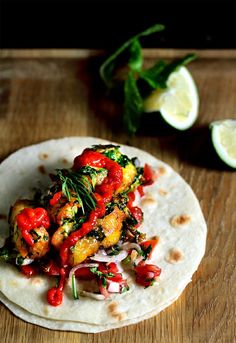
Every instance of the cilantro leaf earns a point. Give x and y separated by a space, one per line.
107 68
136 60
133 106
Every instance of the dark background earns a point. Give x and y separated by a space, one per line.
105 24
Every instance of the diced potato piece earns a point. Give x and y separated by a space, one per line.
41 245
61 234
129 173
111 225
85 247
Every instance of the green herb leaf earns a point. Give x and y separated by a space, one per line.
74 288
104 282
133 106
75 182
146 252
151 75
107 68
157 76
136 60
124 289
97 272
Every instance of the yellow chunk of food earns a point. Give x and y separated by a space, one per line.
111 225
129 173
41 245
85 247
88 246
61 234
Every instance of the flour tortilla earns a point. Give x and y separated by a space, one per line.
178 254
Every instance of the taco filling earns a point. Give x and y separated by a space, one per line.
84 229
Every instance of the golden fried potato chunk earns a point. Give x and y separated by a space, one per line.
85 247
88 246
111 225
129 173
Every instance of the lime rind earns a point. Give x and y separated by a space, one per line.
225 148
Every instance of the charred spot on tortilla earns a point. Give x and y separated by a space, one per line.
148 201
162 192
43 156
174 256
65 161
179 220
42 169
161 171
37 282
113 310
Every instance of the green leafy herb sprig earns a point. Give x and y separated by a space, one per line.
154 78
78 183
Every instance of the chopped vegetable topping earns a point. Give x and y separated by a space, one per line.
88 214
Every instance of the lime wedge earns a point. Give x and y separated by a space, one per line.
224 140
178 104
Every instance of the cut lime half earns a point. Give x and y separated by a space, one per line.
224 140
178 104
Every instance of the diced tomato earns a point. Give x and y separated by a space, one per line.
108 268
149 175
84 274
144 271
137 213
145 245
112 267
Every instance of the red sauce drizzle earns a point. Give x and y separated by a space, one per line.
31 218
55 294
55 199
103 194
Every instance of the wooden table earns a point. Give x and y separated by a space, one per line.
50 94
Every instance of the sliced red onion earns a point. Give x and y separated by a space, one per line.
128 246
115 258
113 287
103 291
93 295
83 265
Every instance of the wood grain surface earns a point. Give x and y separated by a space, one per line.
44 95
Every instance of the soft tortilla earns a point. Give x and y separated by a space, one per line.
169 197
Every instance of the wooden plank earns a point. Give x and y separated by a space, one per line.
85 53
59 95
